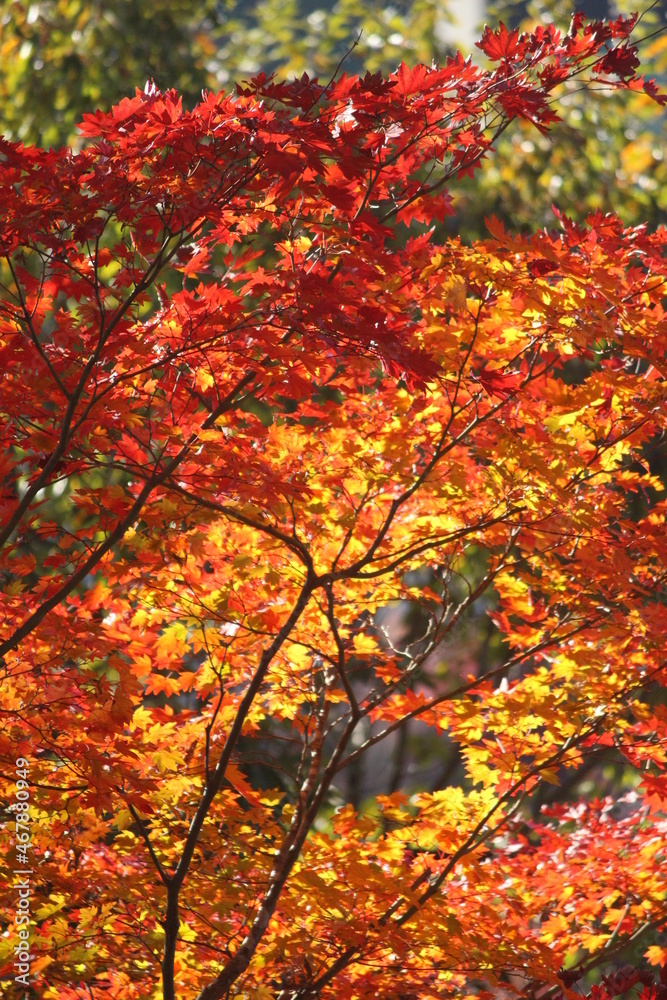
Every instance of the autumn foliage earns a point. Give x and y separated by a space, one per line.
248 402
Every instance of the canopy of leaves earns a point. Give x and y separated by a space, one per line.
61 58
243 414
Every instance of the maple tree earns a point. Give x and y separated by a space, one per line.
248 405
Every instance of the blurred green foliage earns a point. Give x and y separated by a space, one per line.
59 58
607 154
